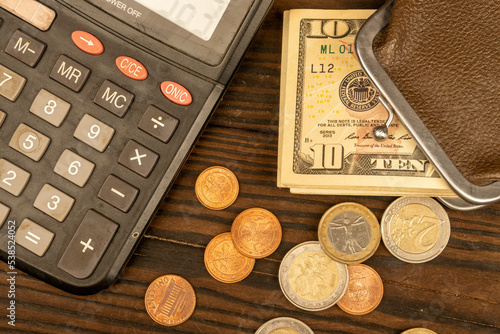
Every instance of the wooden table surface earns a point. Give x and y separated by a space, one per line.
458 292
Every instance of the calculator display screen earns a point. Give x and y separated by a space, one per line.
202 29
199 17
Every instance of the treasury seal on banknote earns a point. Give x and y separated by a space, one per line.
349 233
415 229
284 325
357 92
310 279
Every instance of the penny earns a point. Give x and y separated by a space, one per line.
284 325
256 233
418 331
224 262
364 290
310 279
217 188
349 232
415 229
170 300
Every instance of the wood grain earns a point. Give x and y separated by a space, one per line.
458 292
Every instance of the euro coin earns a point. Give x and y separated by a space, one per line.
256 233
284 325
415 229
224 262
349 233
364 290
217 188
418 331
310 279
170 300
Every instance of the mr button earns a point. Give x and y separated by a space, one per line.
113 98
70 73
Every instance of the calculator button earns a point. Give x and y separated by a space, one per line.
33 237
113 98
12 178
3 116
88 245
11 83
29 142
70 73
25 48
176 93
30 11
118 193
138 158
158 124
94 133
131 68
87 42
4 213
74 168
53 202
50 108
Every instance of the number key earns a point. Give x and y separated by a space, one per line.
11 83
29 142
12 178
50 108
94 133
53 202
74 168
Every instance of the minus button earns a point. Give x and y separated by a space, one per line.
118 193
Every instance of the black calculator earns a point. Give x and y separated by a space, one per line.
101 102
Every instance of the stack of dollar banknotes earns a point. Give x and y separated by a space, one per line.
328 109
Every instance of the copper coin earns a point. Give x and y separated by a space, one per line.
170 300
256 233
224 262
364 290
217 188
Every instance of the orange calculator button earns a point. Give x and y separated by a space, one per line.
131 68
176 93
87 42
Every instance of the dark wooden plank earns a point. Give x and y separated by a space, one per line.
458 292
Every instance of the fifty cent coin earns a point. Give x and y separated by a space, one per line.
415 229
364 290
224 262
284 325
256 233
310 279
217 188
349 233
170 300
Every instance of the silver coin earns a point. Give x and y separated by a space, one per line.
310 279
415 229
284 325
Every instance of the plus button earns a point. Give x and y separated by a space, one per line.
87 245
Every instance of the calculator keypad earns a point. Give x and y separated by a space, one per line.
94 133
13 178
74 168
29 142
54 202
50 108
11 83
33 237
27 49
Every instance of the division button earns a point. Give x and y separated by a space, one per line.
33 237
11 83
118 193
74 168
29 142
87 42
87 247
25 48
138 158
50 108
94 133
113 98
158 123
12 178
31 11
53 202
70 73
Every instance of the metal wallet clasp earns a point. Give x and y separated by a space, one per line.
470 195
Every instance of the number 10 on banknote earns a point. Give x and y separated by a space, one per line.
328 109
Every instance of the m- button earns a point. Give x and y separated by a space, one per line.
138 158
25 48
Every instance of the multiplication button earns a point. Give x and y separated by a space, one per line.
138 158
158 123
118 193
86 248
